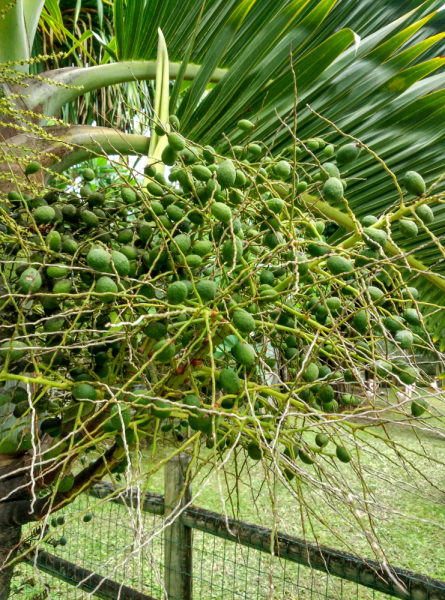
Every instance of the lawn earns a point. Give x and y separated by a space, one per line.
408 516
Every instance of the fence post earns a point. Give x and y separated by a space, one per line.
178 537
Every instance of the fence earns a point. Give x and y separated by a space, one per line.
201 555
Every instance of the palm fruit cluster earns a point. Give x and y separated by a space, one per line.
205 300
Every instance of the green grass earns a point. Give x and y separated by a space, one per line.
407 516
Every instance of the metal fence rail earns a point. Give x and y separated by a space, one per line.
181 557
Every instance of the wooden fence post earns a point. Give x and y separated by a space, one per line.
178 538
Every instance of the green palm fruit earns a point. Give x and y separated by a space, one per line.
53 240
201 173
322 440
408 228
347 154
408 375
414 183
301 187
206 289
157 208
175 213
89 218
32 168
333 190
329 151
63 286
342 454
166 351
226 174
267 277
243 354
181 243
282 169
411 316
411 291
144 232
254 451
177 292
120 416
383 368
375 293
312 145
125 236
221 212
311 372
105 285
243 321
404 339
169 156
418 407
291 341
156 330
275 205
88 174
338 265
425 214
20 409
333 303
128 195
245 125
202 247
121 263
154 189
189 157
65 485
176 142
290 353
366 257
360 321
393 323
30 281
96 199
240 179
232 250
318 249
44 215
272 239
174 122
369 220
230 382
193 261
84 391
99 259
374 238
57 272
331 171
161 409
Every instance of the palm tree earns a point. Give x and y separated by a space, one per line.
371 71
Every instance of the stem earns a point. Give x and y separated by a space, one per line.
32 9
48 99
14 40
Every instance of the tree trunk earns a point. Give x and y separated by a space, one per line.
9 540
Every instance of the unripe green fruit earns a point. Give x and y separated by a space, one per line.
226 174
144 232
331 171
393 324
202 247
161 409
411 291
166 350
408 375
169 156
154 189
44 214
243 321
156 330
369 220
408 229
245 125
99 260
106 285
174 122
312 145
65 485
120 421
125 236
347 154
206 290
254 451
63 286
366 257
414 183
272 239
333 190
32 168
176 142
57 272
290 353
404 339
318 249
275 205
177 292
322 440
342 454
282 169
311 373
232 251
201 173
30 281
88 174
329 151
243 354
221 211
84 391
338 265
418 407
360 321
425 214
333 303
89 218
375 293
375 239
121 263
128 195
53 240
301 187
411 316
175 213
193 261
230 382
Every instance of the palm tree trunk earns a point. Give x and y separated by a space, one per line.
9 540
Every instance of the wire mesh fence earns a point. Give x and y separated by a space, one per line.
120 553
